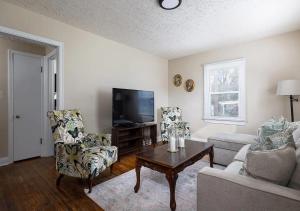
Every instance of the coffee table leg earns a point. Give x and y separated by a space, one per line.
138 173
172 177
211 157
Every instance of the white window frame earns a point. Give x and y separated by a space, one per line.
241 119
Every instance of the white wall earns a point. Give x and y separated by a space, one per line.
93 65
268 61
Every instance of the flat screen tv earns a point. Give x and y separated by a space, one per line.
131 107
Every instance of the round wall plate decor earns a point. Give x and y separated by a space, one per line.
189 85
177 80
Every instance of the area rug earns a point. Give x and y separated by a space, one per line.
117 194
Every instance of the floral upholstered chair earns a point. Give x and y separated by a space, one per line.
172 117
79 154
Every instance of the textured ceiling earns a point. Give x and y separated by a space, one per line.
197 25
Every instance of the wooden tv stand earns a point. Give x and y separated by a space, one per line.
130 139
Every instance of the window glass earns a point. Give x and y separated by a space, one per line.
224 91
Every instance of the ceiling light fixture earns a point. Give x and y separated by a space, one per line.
169 4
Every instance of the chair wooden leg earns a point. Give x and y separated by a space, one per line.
58 179
90 183
111 169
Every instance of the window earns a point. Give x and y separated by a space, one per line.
224 92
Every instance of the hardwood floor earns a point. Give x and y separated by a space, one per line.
30 185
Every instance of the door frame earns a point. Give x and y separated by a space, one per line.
60 87
44 100
48 145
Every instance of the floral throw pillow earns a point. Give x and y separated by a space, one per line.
274 141
272 126
260 145
275 133
279 139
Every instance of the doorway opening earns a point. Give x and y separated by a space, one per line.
34 87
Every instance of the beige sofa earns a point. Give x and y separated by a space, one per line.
228 190
227 145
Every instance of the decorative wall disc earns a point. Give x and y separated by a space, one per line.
189 85
177 80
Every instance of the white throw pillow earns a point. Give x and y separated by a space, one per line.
296 136
275 166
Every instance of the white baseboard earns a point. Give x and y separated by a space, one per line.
47 154
4 161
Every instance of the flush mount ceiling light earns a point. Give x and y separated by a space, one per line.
169 4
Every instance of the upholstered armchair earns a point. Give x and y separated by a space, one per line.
79 154
172 117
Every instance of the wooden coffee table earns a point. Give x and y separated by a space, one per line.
159 159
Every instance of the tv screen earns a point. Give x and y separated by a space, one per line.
132 106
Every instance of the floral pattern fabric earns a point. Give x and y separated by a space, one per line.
282 138
66 125
275 133
91 140
172 117
79 154
272 126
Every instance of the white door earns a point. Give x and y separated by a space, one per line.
27 105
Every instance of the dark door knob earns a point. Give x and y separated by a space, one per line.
18 117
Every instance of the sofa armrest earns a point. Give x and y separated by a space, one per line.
219 190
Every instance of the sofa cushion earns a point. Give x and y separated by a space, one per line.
241 155
234 167
231 141
275 165
223 156
295 179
